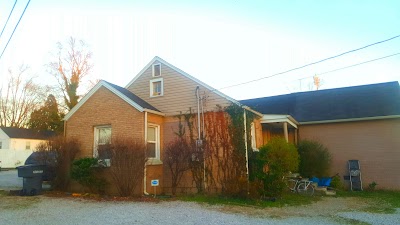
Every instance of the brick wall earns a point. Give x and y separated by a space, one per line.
105 108
375 143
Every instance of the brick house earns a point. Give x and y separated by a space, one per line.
147 108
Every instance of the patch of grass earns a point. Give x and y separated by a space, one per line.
381 201
288 199
3 193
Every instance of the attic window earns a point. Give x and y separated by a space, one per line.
156 70
156 87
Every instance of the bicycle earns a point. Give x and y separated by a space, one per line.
301 186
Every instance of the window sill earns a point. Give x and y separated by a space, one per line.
155 96
153 162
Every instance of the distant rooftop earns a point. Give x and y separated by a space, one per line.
333 104
23 133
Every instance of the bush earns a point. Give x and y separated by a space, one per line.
57 154
177 156
83 171
274 160
337 183
315 159
127 166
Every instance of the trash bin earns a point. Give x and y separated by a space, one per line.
32 182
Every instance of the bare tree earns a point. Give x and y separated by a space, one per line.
73 63
19 98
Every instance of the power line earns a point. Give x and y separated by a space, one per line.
342 68
346 67
5 25
372 60
15 28
300 67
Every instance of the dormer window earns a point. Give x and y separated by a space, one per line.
156 70
156 87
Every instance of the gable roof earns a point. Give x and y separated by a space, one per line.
22 133
349 103
156 58
132 99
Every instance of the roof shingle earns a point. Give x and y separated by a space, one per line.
23 133
340 103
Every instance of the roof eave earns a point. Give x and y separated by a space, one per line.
96 88
351 119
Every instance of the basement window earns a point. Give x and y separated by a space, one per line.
28 145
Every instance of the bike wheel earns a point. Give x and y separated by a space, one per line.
304 189
291 184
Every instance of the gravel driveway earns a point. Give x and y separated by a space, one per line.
9 180
49 210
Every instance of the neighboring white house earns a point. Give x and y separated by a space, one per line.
16 144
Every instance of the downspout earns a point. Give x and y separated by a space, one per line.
145 166
198 111
247 151
199 133
204 154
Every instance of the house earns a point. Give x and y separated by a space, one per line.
145 109
354 123
16 144
361 123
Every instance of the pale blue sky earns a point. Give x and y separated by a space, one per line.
220 43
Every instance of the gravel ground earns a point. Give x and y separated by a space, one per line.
50 210
9 180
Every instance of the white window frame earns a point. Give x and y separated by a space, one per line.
153 69
157 141
151 87
253 137
28 145
96 139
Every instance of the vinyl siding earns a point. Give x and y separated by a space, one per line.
179 92
376 144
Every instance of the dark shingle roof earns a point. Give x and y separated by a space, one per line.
23 133
133 97
341 103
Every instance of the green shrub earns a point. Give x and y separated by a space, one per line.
274 160
372 186
83 171
315 159
337 183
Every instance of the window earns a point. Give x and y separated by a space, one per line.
28 145
102 139
156 70
253 137
153 142
156 87
1 145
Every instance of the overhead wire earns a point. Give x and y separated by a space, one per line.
9 15
27 4
346 67
342 68
309 64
